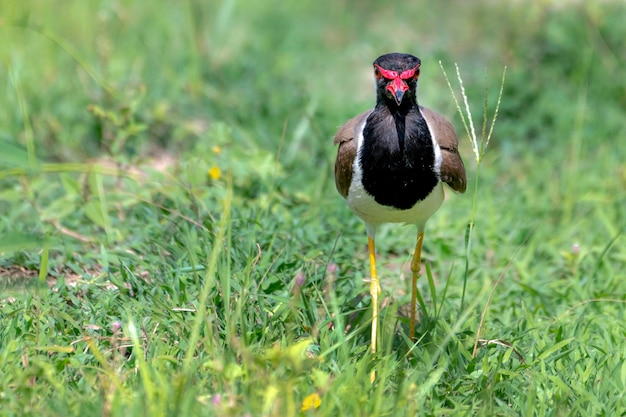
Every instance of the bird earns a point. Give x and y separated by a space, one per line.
392 162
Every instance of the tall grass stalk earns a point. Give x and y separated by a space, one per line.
479 149
209 280
29 135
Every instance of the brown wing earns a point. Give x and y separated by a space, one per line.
452 168
346 152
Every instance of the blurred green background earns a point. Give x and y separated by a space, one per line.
259 65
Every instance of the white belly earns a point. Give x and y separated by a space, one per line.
363 205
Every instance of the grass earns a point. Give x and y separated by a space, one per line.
171 242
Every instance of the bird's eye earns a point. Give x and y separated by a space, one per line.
377 73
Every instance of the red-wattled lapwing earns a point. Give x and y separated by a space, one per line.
392 162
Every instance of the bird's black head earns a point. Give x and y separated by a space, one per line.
396 78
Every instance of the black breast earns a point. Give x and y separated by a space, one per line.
397 158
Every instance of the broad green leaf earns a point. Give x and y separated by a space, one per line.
552 349
12 155
95 213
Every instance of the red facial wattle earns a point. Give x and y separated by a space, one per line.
398 86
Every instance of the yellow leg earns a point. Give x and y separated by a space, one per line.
416 264
374 292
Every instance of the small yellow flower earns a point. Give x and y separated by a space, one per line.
311 401
217 150
215 173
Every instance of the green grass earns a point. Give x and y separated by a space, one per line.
135 280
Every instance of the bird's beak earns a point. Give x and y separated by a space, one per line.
397 88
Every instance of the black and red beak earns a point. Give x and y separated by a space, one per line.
397 87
